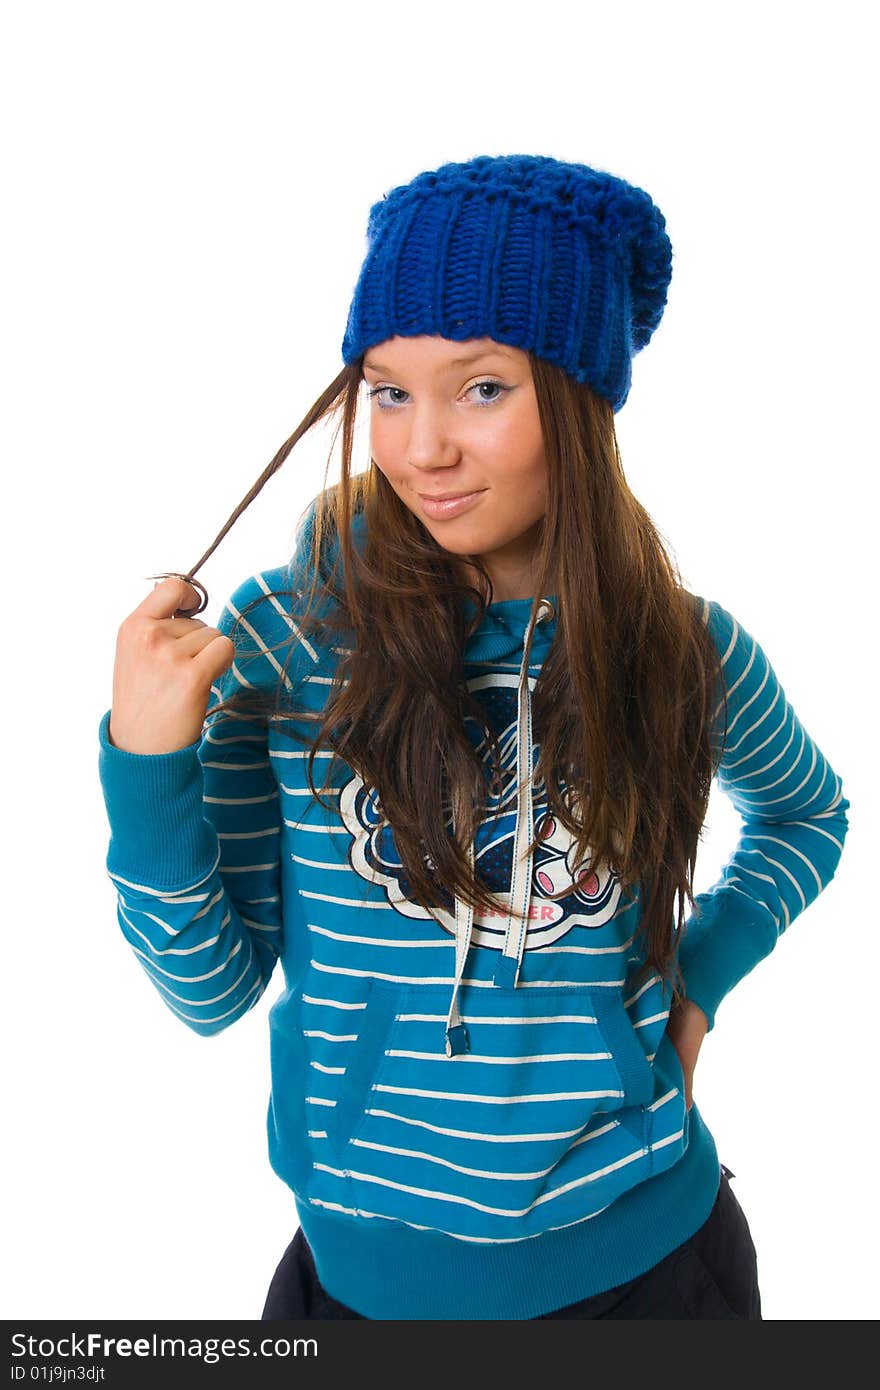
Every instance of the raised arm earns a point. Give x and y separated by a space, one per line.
194 852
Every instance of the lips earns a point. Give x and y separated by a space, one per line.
439 506
445 496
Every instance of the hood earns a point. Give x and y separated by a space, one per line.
502 632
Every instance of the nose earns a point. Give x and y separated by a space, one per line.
430 444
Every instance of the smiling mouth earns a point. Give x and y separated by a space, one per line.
447 496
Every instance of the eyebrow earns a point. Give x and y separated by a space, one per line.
455 361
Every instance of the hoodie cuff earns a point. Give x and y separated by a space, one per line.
718 948
159 835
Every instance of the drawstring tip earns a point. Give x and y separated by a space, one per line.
457 1040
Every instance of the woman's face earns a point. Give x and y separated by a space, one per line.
440 424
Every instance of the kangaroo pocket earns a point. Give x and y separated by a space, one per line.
327 1041
544 1122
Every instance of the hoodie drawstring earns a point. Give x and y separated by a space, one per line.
508 967
457 1039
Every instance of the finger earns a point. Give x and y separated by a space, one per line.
192 635
183 625
171 597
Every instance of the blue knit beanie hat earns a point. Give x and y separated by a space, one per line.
568 261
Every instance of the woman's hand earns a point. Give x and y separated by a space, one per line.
163 672
687 1027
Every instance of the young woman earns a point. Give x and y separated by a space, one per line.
483 1056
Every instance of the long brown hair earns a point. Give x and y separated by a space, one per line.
624 704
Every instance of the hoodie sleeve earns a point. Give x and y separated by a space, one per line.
793 823
194 849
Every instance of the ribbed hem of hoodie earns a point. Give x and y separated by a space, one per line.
384 1270
159 835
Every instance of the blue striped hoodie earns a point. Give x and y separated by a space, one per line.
476 1121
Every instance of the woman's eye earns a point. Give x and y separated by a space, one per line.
377 391
497 384
396 392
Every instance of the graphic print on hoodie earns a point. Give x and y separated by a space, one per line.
461 1076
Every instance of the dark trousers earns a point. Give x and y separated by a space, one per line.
714 1274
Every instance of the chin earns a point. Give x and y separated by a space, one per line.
474 545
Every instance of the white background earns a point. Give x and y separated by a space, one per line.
186 189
